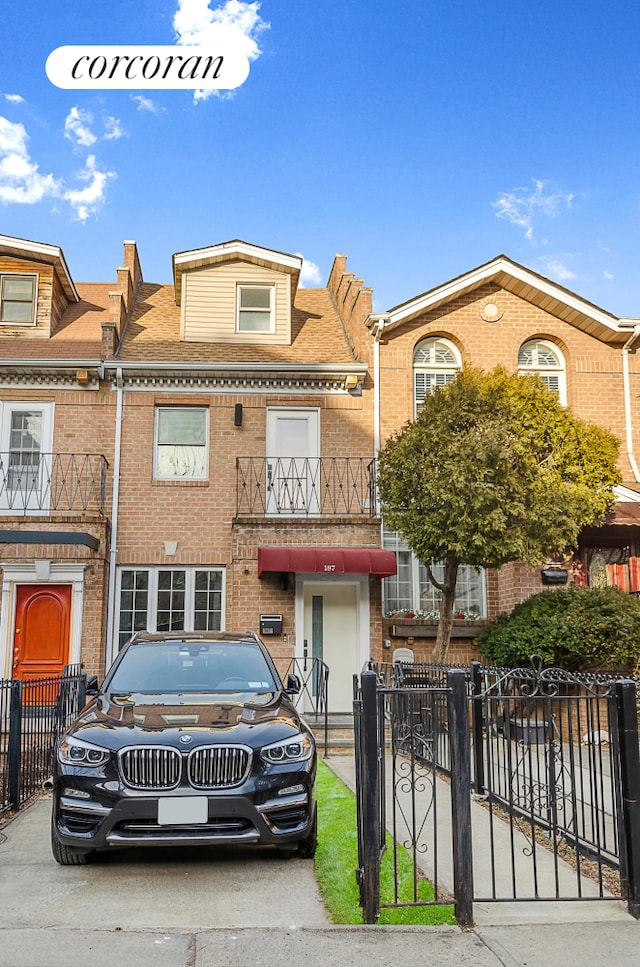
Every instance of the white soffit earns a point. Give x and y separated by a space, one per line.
236 249
534 288
40 252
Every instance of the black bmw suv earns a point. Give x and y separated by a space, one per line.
192 740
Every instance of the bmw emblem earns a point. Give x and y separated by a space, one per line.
186 739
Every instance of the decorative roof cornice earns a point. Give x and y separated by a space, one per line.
52 374
243 378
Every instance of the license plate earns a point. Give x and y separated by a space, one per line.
182 811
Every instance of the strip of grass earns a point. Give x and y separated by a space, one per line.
337 859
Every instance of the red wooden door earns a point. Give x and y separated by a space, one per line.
41 639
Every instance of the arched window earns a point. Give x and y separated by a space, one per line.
435 363
545 359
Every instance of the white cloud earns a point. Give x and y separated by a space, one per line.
522 206
145 103
194 22
113 129
76 127
556 267
310 274
86 201
14 98
609 276
20 179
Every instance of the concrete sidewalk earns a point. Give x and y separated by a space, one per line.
246 908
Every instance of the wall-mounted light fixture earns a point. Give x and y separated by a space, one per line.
237 416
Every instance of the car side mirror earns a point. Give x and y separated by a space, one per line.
92 685
293 685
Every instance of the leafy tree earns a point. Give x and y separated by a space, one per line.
573 628
494 469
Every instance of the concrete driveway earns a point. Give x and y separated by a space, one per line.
154 898
243 908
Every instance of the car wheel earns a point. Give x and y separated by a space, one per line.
67 855
307 848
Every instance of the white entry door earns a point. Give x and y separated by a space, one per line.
331 632
293 465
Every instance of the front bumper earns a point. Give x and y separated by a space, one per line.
107 818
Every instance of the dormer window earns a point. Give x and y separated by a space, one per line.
18 300
255 308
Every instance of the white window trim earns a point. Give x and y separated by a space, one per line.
559 371
240 287
156 422
152 600
415 581
27 275
433 368
8 407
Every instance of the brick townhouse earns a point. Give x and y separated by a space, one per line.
188 455
200 454
502 313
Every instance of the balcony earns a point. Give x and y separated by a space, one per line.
45 483
305 487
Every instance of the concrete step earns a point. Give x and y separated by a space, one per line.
340 739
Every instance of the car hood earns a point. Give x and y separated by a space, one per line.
116 721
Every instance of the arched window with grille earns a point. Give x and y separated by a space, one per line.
544 358
435 363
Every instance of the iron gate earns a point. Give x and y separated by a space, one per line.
401 736
555 813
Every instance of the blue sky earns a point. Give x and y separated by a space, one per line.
422 139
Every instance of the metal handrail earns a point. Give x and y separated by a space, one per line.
313 674
305 486
60 482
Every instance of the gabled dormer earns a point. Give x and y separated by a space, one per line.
236 293
36 288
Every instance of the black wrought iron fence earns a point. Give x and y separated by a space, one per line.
61 482
305 486
556 771
32 716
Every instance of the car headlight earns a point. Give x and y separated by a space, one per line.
76 752
295 749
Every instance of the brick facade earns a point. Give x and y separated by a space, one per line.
117 347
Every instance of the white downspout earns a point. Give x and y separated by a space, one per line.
113 554
626 383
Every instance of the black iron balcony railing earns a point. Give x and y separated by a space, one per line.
32 482
305 486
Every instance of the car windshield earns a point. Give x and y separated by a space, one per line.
192 666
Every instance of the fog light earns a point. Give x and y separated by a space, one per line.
76 793
291 790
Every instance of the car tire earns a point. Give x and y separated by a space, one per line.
67 855
307 848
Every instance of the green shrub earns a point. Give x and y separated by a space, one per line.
573 628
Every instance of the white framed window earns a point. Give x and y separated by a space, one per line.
255 308
543 358
435 363
18 299
26 437
411 590
181 448
169 599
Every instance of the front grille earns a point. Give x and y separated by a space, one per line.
151 767
160 767
218 767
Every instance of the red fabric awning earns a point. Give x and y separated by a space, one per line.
327 560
